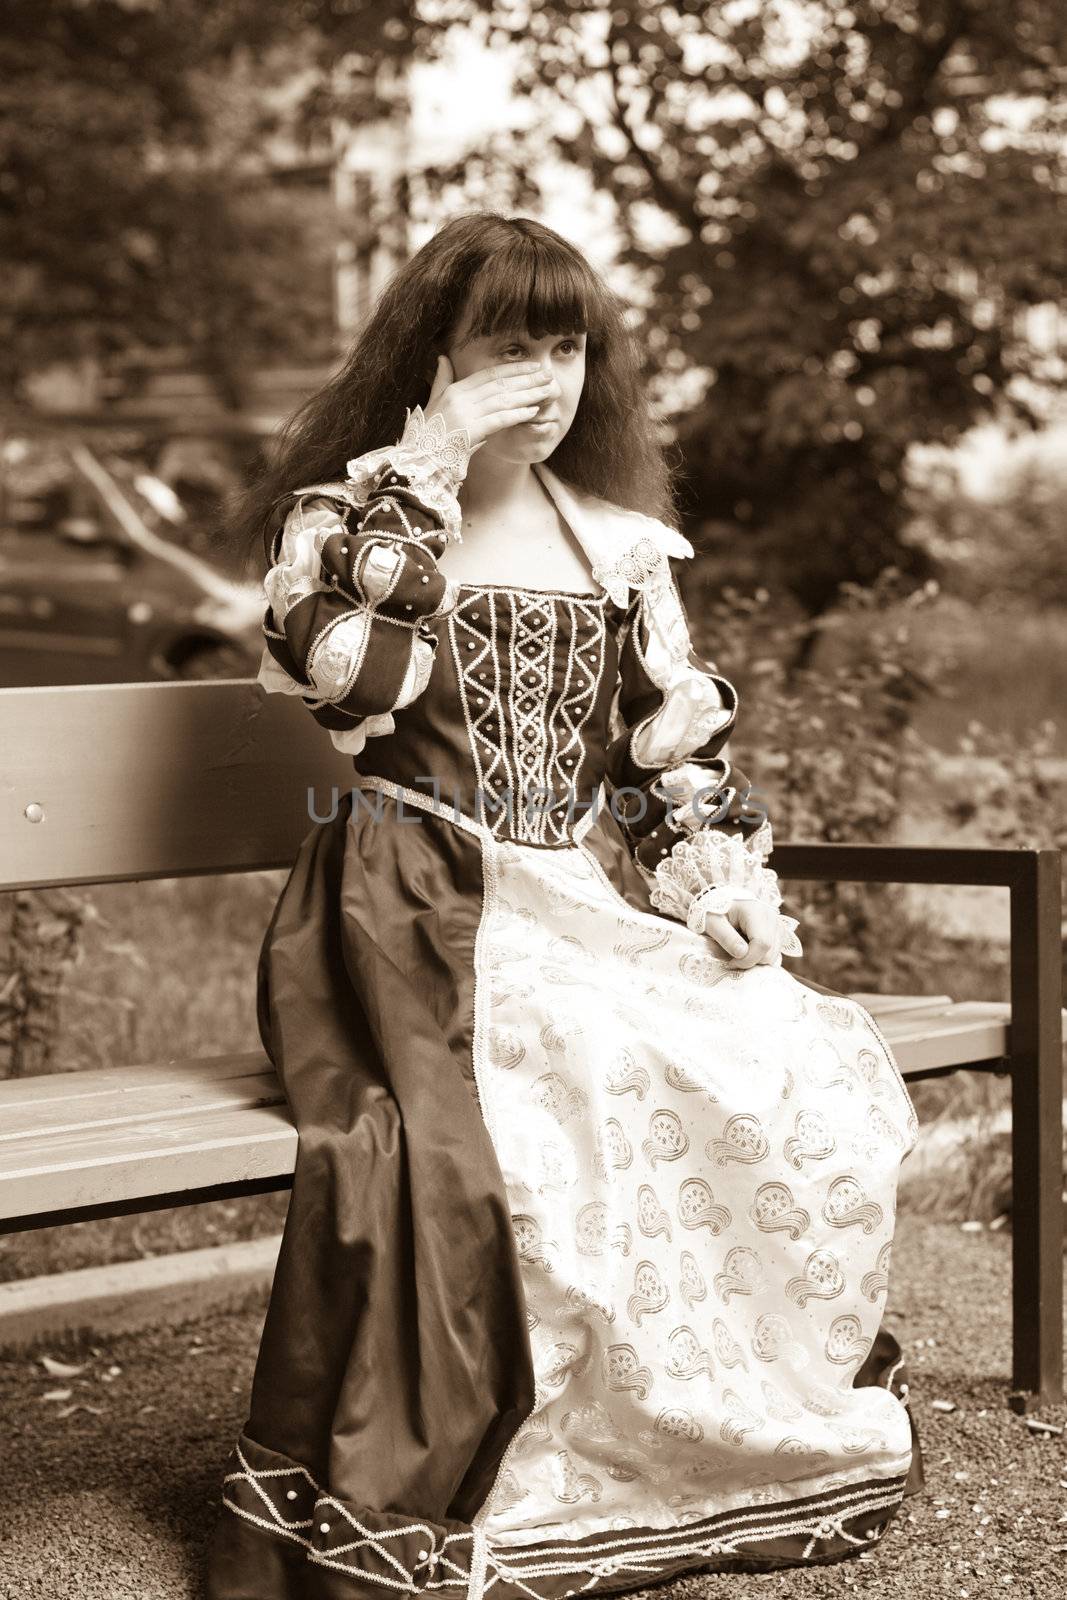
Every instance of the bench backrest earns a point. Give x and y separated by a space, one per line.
157 780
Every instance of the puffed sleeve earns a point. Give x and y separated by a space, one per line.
352 582
697 832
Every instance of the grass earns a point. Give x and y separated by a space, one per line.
167 970
1002 663
1010 672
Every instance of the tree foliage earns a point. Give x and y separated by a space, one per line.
836 214
1006 545
132 208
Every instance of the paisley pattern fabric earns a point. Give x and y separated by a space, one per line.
583 1272
701 1165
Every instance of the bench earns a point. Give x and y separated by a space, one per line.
138 781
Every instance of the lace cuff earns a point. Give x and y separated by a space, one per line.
710 870
432 460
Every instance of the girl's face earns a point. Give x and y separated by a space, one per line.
563 358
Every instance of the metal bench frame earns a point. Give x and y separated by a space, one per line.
1034 1061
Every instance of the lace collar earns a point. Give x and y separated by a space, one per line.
626 549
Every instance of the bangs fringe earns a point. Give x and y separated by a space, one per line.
528 287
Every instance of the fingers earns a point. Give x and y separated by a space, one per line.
727 936
495 398
442 378
758 950
529 385
507 369
490 381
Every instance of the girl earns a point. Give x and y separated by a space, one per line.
583 1272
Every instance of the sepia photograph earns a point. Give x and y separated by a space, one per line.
533 799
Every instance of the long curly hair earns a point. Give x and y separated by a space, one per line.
508 273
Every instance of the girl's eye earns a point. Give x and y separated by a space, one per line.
571 347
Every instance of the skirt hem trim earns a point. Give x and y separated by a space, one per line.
386 1551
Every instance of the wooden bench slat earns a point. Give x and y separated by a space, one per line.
146 1139
971 1031
887 1005
199 1153
46 1087
141 1103
75 1139
158 780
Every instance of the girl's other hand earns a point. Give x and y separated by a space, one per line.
747 933
487 401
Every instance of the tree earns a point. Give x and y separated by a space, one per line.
132 204
837 214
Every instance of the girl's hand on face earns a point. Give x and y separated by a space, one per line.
487 401
757 922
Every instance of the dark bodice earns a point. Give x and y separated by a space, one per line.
513 727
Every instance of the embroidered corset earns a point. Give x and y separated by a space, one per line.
513 727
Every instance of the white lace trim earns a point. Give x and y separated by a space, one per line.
708 872
433 460
636 568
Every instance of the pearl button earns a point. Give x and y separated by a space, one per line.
424 579
344 549
423 1555
324 1527
417 532
470 644
290 1494
481 676
474 616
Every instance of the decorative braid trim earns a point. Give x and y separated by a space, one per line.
412 1555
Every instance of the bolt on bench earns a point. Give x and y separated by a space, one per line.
134 781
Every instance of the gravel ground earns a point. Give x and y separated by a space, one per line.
108 1492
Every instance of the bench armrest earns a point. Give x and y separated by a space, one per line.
1035 1048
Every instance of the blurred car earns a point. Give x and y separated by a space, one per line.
91 588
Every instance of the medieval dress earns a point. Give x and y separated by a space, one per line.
582 1278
